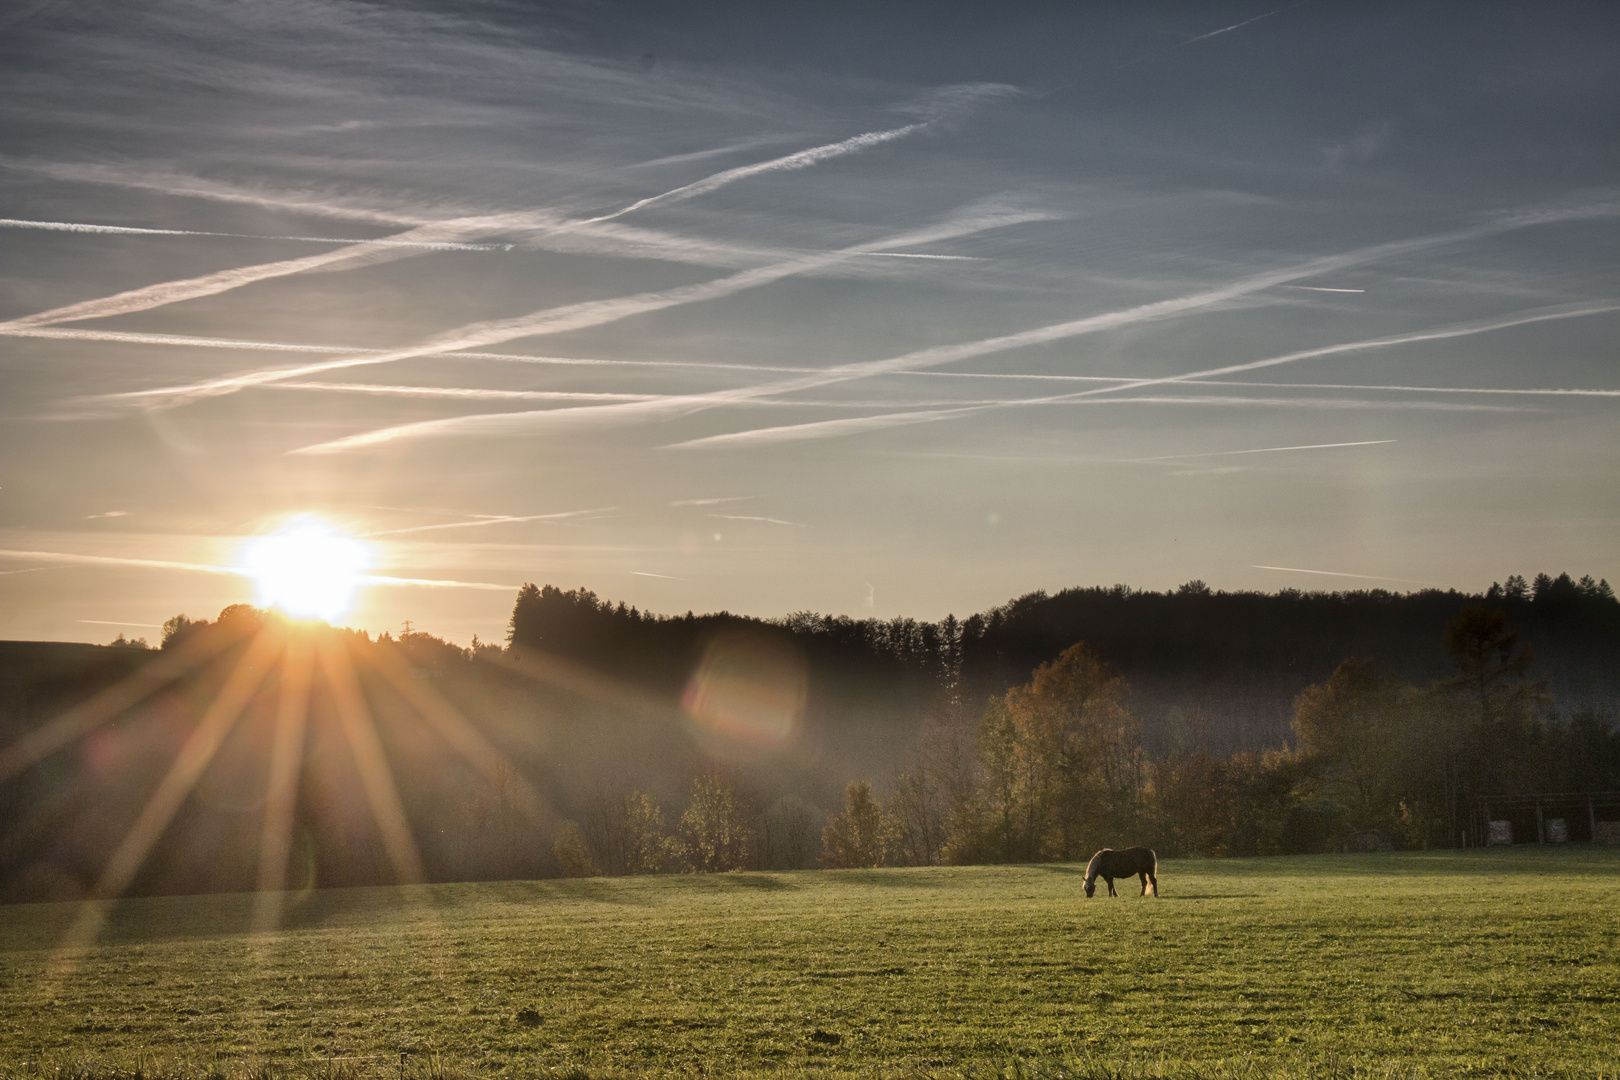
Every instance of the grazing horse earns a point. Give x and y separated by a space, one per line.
1109 864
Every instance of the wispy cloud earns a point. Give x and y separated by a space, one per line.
713 502
107 514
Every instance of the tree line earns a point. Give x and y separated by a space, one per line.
1056 768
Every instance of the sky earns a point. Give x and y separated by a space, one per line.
875 310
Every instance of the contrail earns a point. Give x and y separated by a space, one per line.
170 292
869 423
427 235
1533 392
1240 25
588 313
1262 450
1212 33
461 392
491 519
1335 573
114 622
188 341
681 405
1319 288
827 429
206 568
803 159
81 227
913 255
763 520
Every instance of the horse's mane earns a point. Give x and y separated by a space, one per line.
1091 867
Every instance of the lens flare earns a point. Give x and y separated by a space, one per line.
750 690
307 569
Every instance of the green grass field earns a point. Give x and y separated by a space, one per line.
1467 964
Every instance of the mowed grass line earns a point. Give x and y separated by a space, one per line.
1471 963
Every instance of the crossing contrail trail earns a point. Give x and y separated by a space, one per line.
589 313
686 404
823 428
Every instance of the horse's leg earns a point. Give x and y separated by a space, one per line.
1155 879
1143 876
1111 891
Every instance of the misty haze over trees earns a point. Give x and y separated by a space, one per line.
1197 722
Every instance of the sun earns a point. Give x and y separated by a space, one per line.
307 569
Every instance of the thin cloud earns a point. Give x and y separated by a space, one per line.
713 502
115 622
107 514
803 159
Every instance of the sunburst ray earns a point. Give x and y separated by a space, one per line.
194 757
286 761
376 778
85 717
454 728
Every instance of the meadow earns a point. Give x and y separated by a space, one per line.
1482 963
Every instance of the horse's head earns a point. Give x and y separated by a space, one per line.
1091 886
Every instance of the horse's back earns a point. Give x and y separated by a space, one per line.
1126 861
